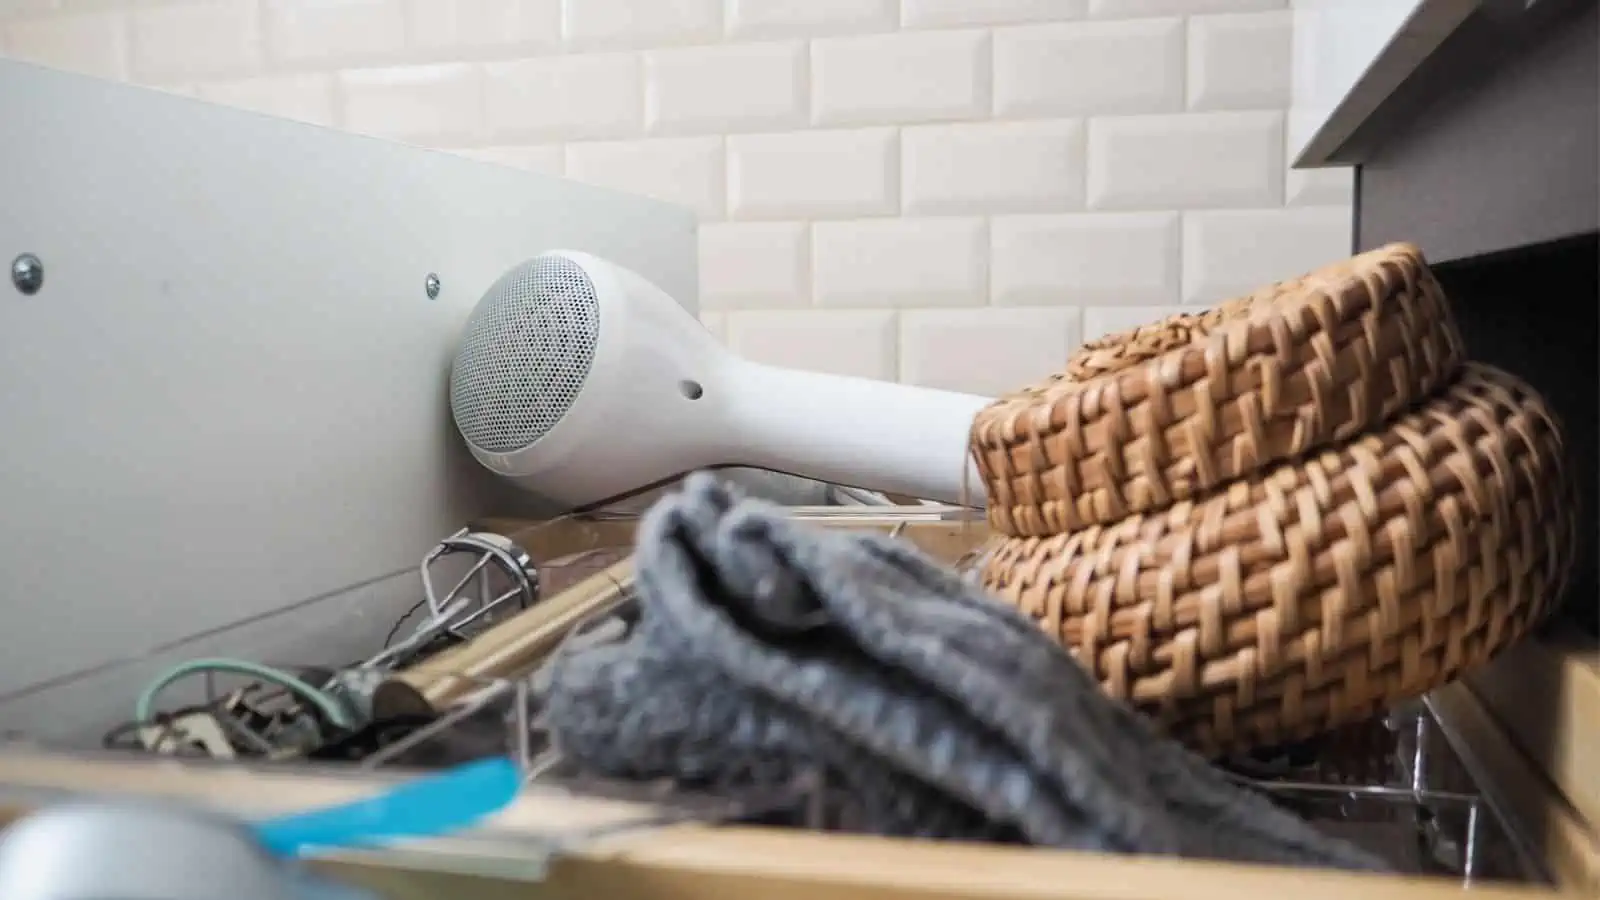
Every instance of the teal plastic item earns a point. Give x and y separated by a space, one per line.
431 806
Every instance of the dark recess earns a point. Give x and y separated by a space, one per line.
1535 312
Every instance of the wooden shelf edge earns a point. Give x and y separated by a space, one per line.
1545 694
693 862
1523 798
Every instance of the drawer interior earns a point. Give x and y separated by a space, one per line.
1427 787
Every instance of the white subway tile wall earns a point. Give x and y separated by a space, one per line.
952 193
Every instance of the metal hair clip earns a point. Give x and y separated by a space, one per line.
459 613
511 559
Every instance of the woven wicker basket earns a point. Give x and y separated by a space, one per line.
1322 591
1163 413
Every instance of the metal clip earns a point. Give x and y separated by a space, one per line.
196 728
457 614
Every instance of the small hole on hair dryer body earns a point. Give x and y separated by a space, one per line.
691 389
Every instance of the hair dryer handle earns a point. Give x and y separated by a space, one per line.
875 435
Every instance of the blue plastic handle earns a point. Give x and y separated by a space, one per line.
431 806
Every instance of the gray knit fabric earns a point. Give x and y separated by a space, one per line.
767 649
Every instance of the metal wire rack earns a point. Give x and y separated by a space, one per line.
1398 786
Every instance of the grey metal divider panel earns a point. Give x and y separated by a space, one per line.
229 395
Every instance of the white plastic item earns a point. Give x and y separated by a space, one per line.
1349 56
581 381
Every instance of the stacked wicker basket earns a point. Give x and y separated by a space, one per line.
1267 520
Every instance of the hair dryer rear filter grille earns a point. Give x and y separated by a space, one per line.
525 354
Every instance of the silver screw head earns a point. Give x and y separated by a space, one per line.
431 285
27 274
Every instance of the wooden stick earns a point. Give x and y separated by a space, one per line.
519 644
944 539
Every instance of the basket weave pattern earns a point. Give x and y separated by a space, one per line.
1321 591
1167 412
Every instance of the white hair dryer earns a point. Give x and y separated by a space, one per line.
581 381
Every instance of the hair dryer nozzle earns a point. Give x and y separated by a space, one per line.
583 382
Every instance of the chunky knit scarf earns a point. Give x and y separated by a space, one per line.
768 651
